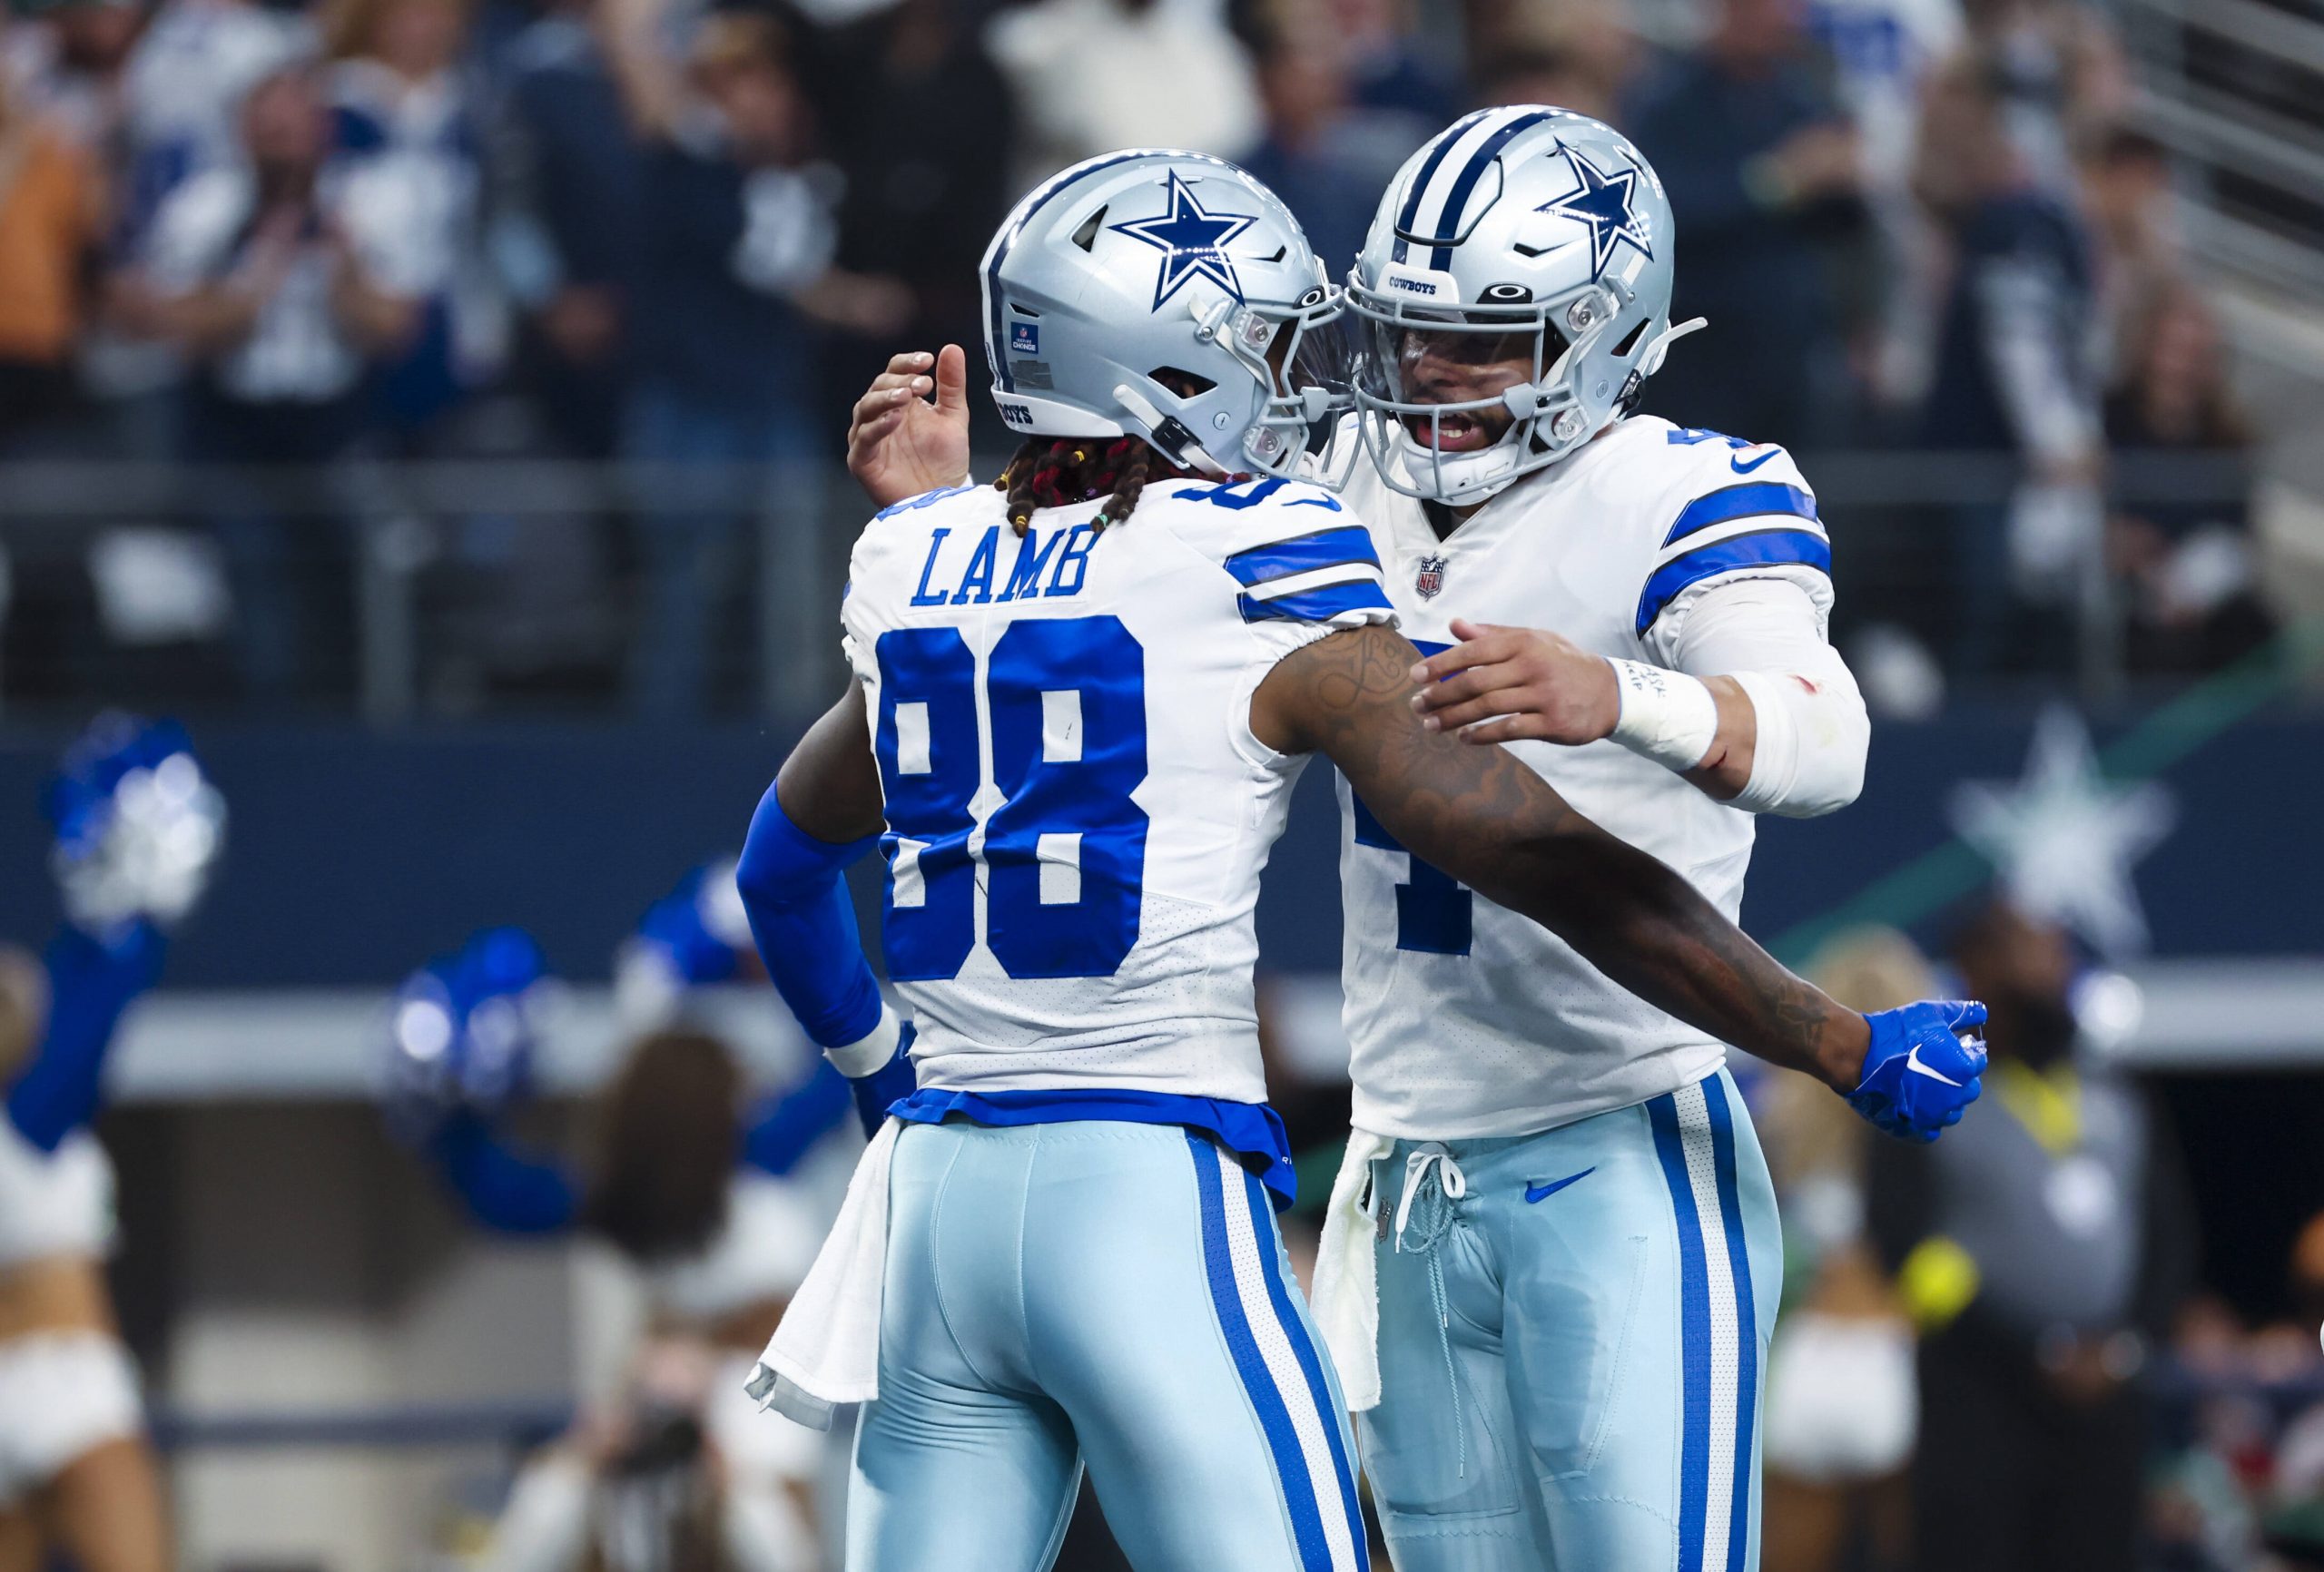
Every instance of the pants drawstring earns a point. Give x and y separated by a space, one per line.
1431 1169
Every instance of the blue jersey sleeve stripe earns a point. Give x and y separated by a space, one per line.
1732 502
1317 606
1758 548
1341 547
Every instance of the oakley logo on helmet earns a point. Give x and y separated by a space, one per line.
1194 241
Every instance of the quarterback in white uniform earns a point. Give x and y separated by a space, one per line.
1574 1300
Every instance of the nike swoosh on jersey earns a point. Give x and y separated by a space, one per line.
1735 462
1543 1192
1913 1062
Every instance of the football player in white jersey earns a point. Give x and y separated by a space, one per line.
1082 706
1559 1379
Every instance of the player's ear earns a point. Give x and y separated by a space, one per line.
23 1010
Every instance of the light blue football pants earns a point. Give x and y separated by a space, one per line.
1110 1292
1571 1351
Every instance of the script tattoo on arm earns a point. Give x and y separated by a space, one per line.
1482 817
830 786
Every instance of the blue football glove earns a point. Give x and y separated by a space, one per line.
1920 1072
693 936
138 826
462 1034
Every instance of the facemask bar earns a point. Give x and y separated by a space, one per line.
1310 388
1546 418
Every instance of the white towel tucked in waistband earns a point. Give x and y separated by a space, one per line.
826 1351
1346 1301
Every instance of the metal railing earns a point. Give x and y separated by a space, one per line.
2236 88
444 589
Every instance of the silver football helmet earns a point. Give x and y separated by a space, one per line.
1164 295
1517 232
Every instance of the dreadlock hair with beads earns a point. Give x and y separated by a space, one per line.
1059 471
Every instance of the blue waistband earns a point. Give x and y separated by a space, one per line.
1250 1130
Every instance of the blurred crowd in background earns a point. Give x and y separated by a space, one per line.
295 244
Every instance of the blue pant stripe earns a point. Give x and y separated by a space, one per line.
1694 1336
1302 1349
1747 1324
1275 1420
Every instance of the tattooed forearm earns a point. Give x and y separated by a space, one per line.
1484 818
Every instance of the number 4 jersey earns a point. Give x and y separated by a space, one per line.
1077 808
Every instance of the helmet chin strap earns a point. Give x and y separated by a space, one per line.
1169 433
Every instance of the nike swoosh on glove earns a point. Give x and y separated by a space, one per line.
1920 1074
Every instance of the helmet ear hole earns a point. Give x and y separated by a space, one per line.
1622 351
1185 384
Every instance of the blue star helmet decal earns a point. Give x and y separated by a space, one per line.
1195 242
1603 202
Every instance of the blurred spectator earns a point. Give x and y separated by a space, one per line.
1306 157
2017 372
51 201
1093 75
2057 73
921 123
410 154
1389 72
739 235
1842 1403
65 63
269 274
1581 56
676 1474
2126 191
577 170
2043 1246
1764 173
2193 602
1883 53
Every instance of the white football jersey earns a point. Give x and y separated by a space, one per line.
1077 809
1465 1018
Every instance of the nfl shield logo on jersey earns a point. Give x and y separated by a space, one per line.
1431 577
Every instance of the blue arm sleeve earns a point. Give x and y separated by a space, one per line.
89 986
804 926
500 1189
787 1124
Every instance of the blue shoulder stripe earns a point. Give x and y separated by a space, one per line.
1755 549
1341 547
1315 605
1732 502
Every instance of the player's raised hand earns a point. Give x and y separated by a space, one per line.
1512 684
908 434
1922 1068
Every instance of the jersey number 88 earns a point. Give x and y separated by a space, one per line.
1063 854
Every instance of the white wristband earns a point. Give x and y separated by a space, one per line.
869 1054
1668 717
